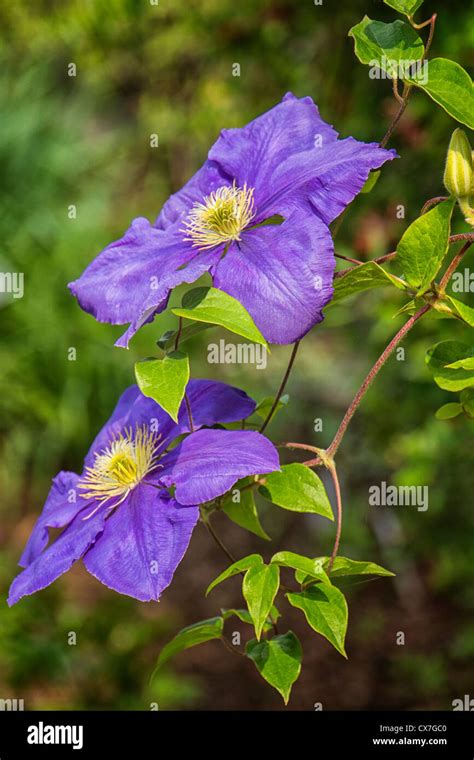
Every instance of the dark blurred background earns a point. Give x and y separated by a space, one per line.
85 140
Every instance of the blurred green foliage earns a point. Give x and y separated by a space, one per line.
84 140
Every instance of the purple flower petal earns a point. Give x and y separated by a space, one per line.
60 556
282 274
62 505
207 463
211 403
131 279
293 159
143 543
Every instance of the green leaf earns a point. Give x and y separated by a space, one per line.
278 660
305 565
325 609
164 380
241 566
467 401
408 7
449 85
424 245
461 310
245 617
259 588
298 489
244 513
448 411
188 637
263 408
370 182
441 355
359 278
462 363
167 340
345 566
218 308
386 45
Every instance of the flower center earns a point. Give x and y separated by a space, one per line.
121 466
221 217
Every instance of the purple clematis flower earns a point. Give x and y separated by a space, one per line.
287 163
119 516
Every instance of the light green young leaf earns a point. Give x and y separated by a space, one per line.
449 85
364 277
164 380
298 489
441 355
241 566
370 182
448 411
305 565
325 609
408 7
244 512
218 308
263 408
259 588
188 637
278 660
386 45
462 364
424 245
462 311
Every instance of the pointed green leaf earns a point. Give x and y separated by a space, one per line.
370 182
259 588
461 310
188 637
298 489
263 408
164 380
386 45
359 278
244 512
424 245
305 565
448 411
278 660
441 355
346 566
462 364
408 7
253 560
218 308
325 609
449 85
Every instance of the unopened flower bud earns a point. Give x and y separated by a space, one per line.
458 174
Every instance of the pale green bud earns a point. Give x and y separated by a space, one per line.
458 174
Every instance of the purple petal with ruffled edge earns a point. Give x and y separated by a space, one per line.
207 463
211 403
293 159
60 556
62 505
130 281
282 274
142 544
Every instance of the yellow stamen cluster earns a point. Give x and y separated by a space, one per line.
221 218
121 466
